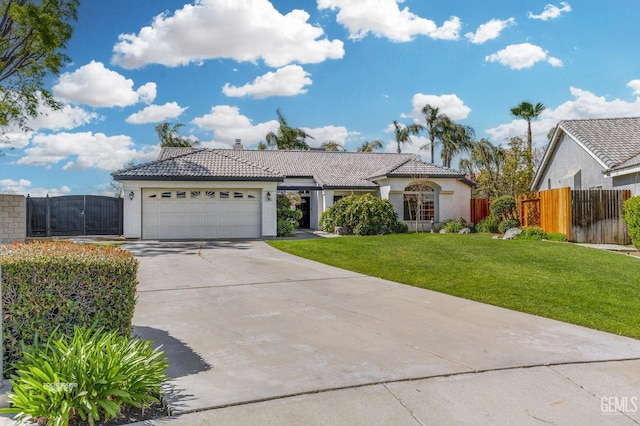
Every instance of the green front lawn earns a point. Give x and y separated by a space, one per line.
593 288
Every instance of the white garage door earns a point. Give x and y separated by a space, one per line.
200 213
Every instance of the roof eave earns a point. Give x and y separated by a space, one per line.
199 178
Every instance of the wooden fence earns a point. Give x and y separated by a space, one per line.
584 216
480 208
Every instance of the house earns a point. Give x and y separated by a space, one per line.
231 193
592 154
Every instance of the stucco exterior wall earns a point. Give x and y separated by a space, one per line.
569 157
13 218
630 182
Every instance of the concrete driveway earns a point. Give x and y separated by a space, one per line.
257 336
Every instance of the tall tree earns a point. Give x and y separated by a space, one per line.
436 123
287 137
403 133
370 146
455 139
168 135
528 112
33 36
485 166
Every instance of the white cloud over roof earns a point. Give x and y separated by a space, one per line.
203 30
551 11
156 113
95 85
81 150
384 18
449 104
489 30
523 55
584 105
290 80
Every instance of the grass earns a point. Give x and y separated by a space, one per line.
593 288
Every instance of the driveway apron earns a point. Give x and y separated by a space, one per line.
245 323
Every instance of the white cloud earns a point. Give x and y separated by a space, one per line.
584 105
490 30
524 55
383 18
156 113
97 86
635 85
23 186
327 134
287 81
67 118
242 30
551 11
228 125
81 150
450 104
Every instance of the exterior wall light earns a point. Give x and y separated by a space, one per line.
131 195
268 196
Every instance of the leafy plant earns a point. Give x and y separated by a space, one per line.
489 224
631 210
362 215
90 376
452 226
504 207
287 217
532 233
505 225
556 236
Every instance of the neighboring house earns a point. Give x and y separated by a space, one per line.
592 154
231 193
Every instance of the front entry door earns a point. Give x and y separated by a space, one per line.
305 207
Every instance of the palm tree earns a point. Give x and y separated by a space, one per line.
332 146
370 146
287 138
403 133
528 112
168 136
455 138
435 125
485 166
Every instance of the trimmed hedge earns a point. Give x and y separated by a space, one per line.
363 214
631 209
53 285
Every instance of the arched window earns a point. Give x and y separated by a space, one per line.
419 202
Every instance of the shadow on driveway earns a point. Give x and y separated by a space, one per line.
183 360
163 248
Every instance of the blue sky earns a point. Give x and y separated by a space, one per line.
343 70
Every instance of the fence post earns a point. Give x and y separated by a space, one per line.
47 217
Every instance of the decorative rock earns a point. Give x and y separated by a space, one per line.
341 230
464 231
442 231
511 233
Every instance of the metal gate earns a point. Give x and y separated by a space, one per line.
74 215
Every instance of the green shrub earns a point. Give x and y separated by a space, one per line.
504 207
532 233
489 224
505 225
556 236
631 210
362 215
60 285
90 376
287 217
453 226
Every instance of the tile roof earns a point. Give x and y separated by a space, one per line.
329 169
198 164
615 141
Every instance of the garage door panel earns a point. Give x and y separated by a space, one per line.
177 213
